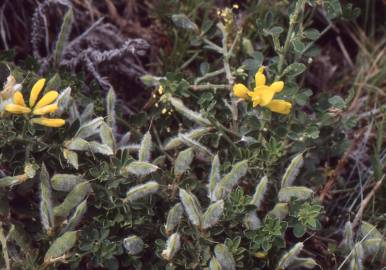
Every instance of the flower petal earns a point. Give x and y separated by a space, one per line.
36 89
46 109
260 78
47 99
17 109
265 93
48 122
277 86
18 99
280 106
240 90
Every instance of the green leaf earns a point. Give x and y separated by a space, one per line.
133 244
298 46
299 230
333 8
337 102
182 21
312 34
294 69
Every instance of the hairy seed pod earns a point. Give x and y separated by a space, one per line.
111 100
290 256
65 182
87 113
172 246
76 217
261 188
214 264
348 239
212 215
29 170
280 211
98 148
145 148
188 113
77 144
195 144
174 217
357 258
60 246
63 35
224 257
21 238
214 177
231 179
140 168
63 100
75 197
133 244
292 171
124 140
141 191
251 221
307 263
46 210
301 193
71 157
10 181
191 206
90 128
192 134
183 161
107 137
374 246
369 231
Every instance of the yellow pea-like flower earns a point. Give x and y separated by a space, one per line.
18 99
49 122
265 93
277 86
17 109
280 106
240 90
36 89
46 109
47 99
260 78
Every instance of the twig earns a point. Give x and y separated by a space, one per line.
366 201
208 86
3 241
209 75
292 22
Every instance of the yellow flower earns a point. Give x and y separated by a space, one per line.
280 106
44 106
48 122
240 90
263 94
